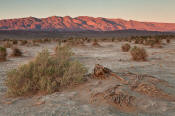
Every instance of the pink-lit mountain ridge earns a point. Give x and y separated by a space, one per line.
81 23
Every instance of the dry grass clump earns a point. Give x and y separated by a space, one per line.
16 52
3 54
138 54
46 74
126 47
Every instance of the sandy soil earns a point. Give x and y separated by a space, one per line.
77 101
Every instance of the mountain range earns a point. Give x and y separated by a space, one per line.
81 23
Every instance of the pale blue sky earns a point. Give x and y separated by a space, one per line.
142 10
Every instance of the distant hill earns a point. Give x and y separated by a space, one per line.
81 23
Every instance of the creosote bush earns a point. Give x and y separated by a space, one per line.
138 54
46 74
3 54
16 52
126 47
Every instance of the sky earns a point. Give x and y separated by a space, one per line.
140 10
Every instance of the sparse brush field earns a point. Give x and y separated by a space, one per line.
60 77
46 74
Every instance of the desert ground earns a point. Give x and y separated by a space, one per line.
88 99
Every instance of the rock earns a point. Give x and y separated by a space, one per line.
101 72
119 96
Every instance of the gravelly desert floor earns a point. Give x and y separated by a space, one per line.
161 64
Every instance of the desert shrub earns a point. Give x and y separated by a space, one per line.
37 41
70 43
7 44
34 43
1 41
80 43
46 74
154 43
119 39
95 43
22 42
102 40
141 41
59 42
129 41
113 39
75 42
126 47
138 54
46 40
88 40
64 41
168 41
14 42
157 40
3 54
16 52
136 41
